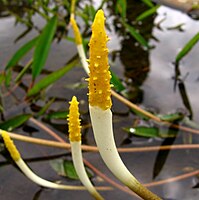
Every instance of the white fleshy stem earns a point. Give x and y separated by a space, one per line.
80 169
82 56
103 133
42 182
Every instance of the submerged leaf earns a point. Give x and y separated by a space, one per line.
14 122
43 46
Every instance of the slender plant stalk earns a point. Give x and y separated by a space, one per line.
26 170
95 149
75 141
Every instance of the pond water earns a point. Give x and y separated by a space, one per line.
149 78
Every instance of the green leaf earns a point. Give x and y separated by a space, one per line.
134 33
121 8
70 170
50 79
66 168
187 48
21 52
8 77
14 122
57 115
43 46
2 78
148 3
151 132
145 131
116 82
172 117
45 107
147 13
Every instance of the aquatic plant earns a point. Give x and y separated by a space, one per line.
27 171
75 141
100 112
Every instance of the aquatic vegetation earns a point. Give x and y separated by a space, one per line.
34 90
75 140
100 104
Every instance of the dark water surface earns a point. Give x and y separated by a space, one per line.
150 79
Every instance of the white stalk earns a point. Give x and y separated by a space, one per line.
80 169
103 133
42 182
80 50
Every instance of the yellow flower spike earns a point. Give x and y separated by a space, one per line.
75 141
99 81
74 121
100 112
10 146
78 38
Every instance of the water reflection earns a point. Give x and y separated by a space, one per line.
134 58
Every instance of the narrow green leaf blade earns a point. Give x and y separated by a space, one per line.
136 35
147 13
148 3
50 79
144 131
172 117
21 52
187 48
116 82
14 122
57 115
43 46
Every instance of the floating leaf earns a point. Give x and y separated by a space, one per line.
57 115
14 122
172 117
144 131
70 170
21 52
50 79
136 35
116 82
147 13
187 48
43 46
66 168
